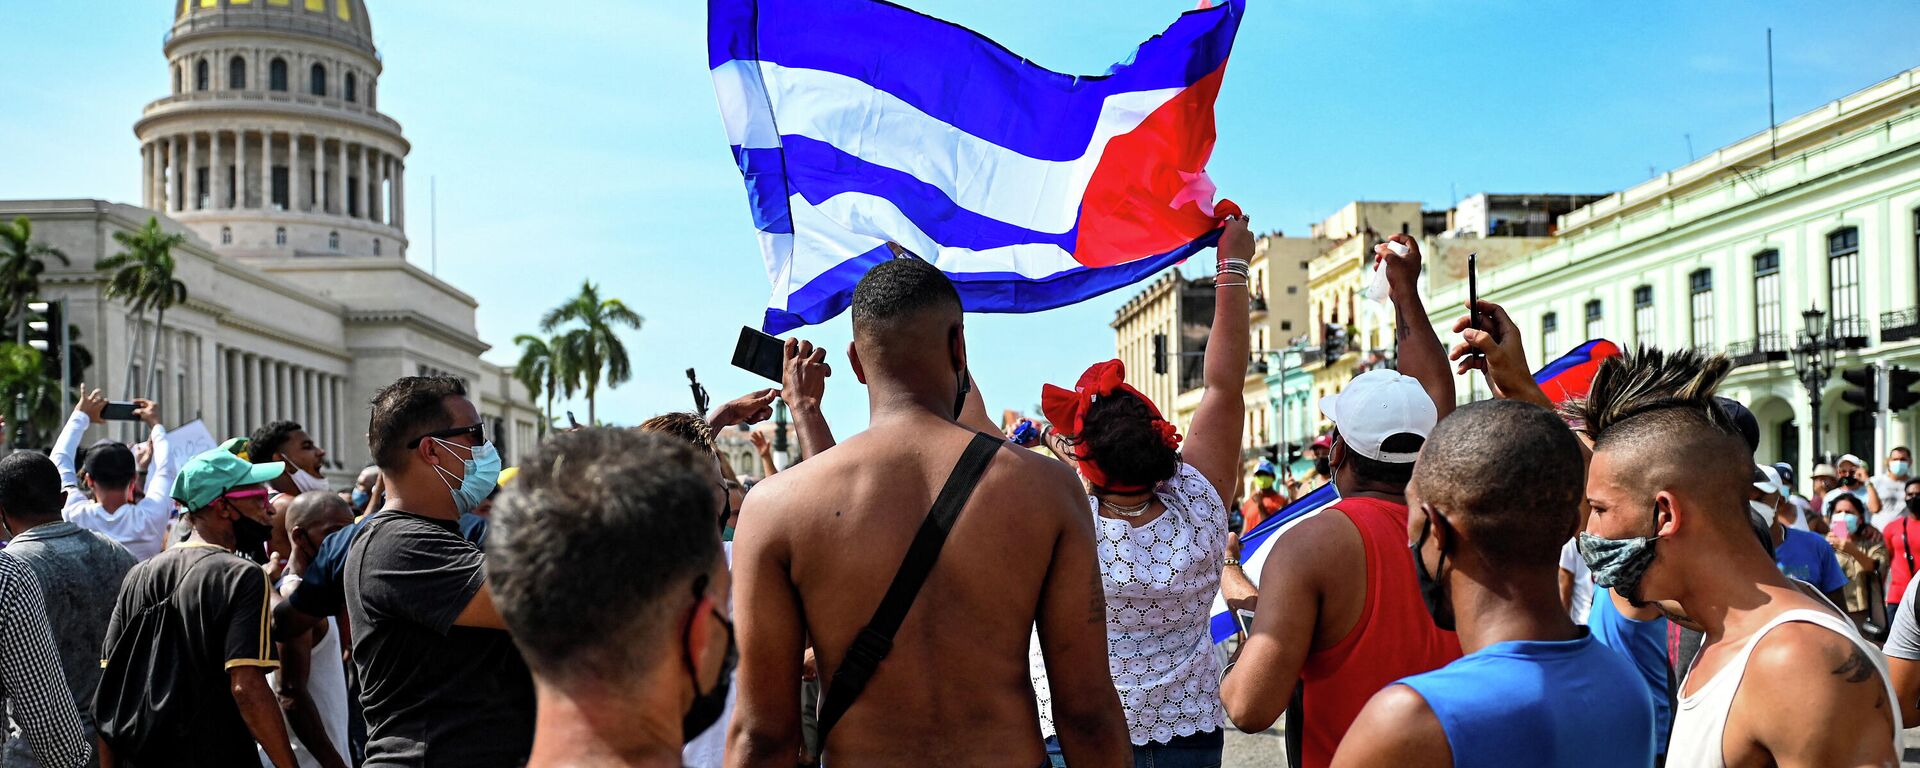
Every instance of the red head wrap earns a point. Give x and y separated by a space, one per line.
1067 408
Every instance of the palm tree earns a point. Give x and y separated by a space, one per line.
591 351
541 372
143 278
21 264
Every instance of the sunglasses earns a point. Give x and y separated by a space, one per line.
250 493
479 432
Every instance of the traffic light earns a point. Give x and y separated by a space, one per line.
1860 388
1160 354
1900 394
46 324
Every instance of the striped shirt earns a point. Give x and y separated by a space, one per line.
30 678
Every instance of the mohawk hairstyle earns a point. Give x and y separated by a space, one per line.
1651 380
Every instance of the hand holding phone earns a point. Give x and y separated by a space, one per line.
759 354
120 410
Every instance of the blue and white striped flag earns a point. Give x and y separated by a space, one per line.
1257 543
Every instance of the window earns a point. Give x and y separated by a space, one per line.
351 84
1285 325
317 80
1700 289
1843 276
226 235
333 241
1644 331
236 73
1292 289
1595 328
280 236
280 186
200 76
1550 334
376 246
277 75
1766 301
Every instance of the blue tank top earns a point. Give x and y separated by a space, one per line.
1569 704
1644 643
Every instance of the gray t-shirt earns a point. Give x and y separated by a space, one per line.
79 572
1903 640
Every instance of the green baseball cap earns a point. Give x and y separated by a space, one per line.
215 472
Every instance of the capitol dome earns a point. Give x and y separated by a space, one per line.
270 143
343 21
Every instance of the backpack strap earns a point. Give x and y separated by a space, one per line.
875 640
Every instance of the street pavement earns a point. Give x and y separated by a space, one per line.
1269 750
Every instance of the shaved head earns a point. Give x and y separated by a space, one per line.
1656 418
903 300
313 507
1510 474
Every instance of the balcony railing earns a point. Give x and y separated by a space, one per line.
1851 331
1762 349
1901 325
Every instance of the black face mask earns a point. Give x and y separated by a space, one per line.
1323 466
1432 593
250 538
1913 505
707 705
960 400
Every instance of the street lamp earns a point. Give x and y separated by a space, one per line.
1813 363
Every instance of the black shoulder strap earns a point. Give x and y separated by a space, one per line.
875 641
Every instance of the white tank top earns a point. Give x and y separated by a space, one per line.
1700 723
327 684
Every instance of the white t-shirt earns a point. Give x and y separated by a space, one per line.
327 684
1572 562
141 526
1160 580
1893 498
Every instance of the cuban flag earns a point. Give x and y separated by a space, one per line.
856 123
1571 376
1256 543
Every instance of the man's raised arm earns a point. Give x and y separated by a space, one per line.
1420 354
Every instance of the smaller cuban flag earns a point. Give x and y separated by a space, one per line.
858 123
1571 376
1257 543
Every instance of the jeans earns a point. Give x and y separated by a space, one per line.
1201 750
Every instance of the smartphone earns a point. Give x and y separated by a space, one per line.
1473 291
1840 527
119 410
1244 618
573 421
760 354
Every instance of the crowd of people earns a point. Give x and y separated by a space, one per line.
1611 581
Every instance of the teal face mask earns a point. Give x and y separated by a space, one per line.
482 473
1900 468
726 534
1618 564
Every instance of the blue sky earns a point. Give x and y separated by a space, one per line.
580 140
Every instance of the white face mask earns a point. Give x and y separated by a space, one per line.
1762 508
307 481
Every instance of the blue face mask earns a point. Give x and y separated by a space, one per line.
360 499
1900 468
482 472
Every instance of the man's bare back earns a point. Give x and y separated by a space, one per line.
818 546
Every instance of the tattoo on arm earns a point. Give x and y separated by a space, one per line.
1097 605
1400 327
1857 668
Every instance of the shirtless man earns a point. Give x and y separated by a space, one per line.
819 544
1667 486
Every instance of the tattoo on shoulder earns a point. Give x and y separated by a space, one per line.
1856 668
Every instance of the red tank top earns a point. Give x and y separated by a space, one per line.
1394 637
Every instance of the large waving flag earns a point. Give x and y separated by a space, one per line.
1571 376
1258 542
859 122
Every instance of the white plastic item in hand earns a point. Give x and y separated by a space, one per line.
1377 285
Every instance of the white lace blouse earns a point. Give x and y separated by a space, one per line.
1160 580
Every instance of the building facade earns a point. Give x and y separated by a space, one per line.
270 155
1726 253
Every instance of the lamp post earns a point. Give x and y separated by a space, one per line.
1813 363
780 444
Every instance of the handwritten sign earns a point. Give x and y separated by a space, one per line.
187 441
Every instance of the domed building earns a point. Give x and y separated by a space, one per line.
271 153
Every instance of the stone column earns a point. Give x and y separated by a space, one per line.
335 386
318 204
193 173
296 394
399 194
240 168
216 172
250 392
366 201
340 180
294 180
327 407
176 189
380 189
231 391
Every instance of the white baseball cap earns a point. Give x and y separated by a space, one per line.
1377 405
1767 479
1855 460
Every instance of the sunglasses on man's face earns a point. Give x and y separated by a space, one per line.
479 432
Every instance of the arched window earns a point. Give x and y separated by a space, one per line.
226 235
350 84
376 246
280 236
200 76
317 81
236 73
277 75
333 241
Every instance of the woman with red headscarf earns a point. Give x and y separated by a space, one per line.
1159 505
